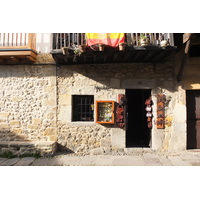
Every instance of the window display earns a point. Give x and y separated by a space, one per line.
104 112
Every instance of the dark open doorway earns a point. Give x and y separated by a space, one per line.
137 134
193 119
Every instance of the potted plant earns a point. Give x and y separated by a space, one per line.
144 40
77 52
164 42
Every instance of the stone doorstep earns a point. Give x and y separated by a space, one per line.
48 147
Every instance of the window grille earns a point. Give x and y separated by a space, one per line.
83 108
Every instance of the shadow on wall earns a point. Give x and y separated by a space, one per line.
121 75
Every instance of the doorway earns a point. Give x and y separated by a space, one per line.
193 119
137 132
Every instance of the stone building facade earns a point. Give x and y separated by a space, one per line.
36 103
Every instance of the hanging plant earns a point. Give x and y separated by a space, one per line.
77 52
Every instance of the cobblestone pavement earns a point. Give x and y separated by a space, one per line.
186 158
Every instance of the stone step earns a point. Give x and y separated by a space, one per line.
18 148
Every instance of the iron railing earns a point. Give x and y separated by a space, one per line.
73 40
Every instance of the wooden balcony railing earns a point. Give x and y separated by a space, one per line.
73 40
17 46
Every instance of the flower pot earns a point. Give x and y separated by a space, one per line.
121 46
163 43
65 50
82 48
101 47
144 42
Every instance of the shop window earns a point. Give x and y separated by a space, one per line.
83 108
104 112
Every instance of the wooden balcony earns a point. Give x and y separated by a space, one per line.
66 49
17 47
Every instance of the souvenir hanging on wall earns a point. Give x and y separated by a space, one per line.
148 109
120 111
161 99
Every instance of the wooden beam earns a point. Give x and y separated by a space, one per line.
138 56
2 60
183 61
94 58
158 56
30 58
14 58
115 57
127 56
15 47
186 37
15 53
150 54
105 57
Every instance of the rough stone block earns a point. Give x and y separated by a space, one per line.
53 79
30 126
4 115
50 115
50 131
118 138
16 130
96 151
53 138
49 102
91 141
105 142
17 99
4 126
15 124
37 121
53 123
180 113
65 114
50 89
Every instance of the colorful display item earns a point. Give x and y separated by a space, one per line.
161 99
105 112
120 111
148 109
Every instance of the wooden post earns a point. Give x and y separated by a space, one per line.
183 61
30 40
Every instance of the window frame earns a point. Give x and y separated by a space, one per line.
82 107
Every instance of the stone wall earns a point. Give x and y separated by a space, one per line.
105 81
36 103
27 103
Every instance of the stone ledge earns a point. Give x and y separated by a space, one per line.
19 148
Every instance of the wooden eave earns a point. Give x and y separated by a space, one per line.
17 54
189 39
131 54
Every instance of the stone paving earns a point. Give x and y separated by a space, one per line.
186 158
